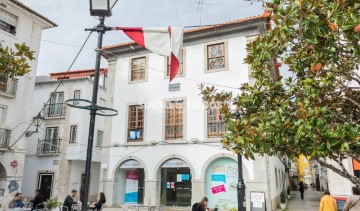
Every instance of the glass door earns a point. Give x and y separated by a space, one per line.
56 104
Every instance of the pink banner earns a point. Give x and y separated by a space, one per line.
218 189
133 175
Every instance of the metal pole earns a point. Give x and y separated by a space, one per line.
85 197
241 185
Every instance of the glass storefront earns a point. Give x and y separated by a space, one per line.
221 183
175 183
130 183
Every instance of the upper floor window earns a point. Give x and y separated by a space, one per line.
216 125
76 96
138 69
99 139
73 131
216 57
8 22
174 119
136 123
181 68
56 106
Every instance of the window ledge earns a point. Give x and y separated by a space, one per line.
8 34
7 95
212 140
175 141
137 81
217 70
135 143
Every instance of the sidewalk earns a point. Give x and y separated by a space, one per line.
311 201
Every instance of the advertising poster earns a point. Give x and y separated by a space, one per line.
222 176
131 187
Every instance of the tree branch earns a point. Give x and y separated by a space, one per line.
353 179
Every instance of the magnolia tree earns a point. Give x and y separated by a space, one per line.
316 112
15 62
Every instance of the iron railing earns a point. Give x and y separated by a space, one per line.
55 110
8 85
4 138
173 132
49 147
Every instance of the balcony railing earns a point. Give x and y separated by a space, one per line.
8 86
55 110
49 147
4 138
173 132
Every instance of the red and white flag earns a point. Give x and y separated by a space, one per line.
162 41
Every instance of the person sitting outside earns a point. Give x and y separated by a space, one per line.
327 203
38 200
101 201
201 206
17 202
69 201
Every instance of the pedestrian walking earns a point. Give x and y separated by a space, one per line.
353 202
201 206
327 202
301 189
38 200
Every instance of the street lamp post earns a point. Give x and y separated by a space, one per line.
37 121
241 185
102 9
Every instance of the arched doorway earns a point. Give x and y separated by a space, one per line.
130 183
175 183
2 183
221 183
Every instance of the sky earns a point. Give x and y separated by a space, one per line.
60 45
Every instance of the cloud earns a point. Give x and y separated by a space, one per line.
73 17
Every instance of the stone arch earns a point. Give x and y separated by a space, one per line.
169 157
123 160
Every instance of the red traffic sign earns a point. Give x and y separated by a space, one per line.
14 164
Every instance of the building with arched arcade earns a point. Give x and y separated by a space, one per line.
164 146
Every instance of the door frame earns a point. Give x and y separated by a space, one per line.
38 183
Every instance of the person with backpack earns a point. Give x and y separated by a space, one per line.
201 206
353 202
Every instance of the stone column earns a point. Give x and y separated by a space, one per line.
198 190
151 192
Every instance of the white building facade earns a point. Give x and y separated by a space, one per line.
55 159
164 146
18 24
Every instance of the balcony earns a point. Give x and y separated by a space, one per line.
8 86
48 147
4 138
54 110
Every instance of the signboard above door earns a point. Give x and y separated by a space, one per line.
175 163
130 164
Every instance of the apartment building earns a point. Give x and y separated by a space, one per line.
55 158
18 24
164 146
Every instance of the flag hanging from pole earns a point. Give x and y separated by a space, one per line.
164 41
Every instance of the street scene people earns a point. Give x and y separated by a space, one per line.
38 201
353 202
201 206
327 203
69 201
101 201
17 201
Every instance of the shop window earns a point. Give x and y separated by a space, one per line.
138 69
216 125
8 22
174 120
131 183
216 58
175 184
136 123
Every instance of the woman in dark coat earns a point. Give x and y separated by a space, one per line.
201 206
98 205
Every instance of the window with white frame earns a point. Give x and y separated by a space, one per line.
216 56
73 133
76 96
138 68
8 22
99 139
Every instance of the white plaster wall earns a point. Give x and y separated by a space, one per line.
339 185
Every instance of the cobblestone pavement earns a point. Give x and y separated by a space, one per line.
311 201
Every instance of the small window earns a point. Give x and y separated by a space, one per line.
136 123
73 132
99 139
216 56
174 120
76 96
181 68
8 22
305 160
216 125
138 69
